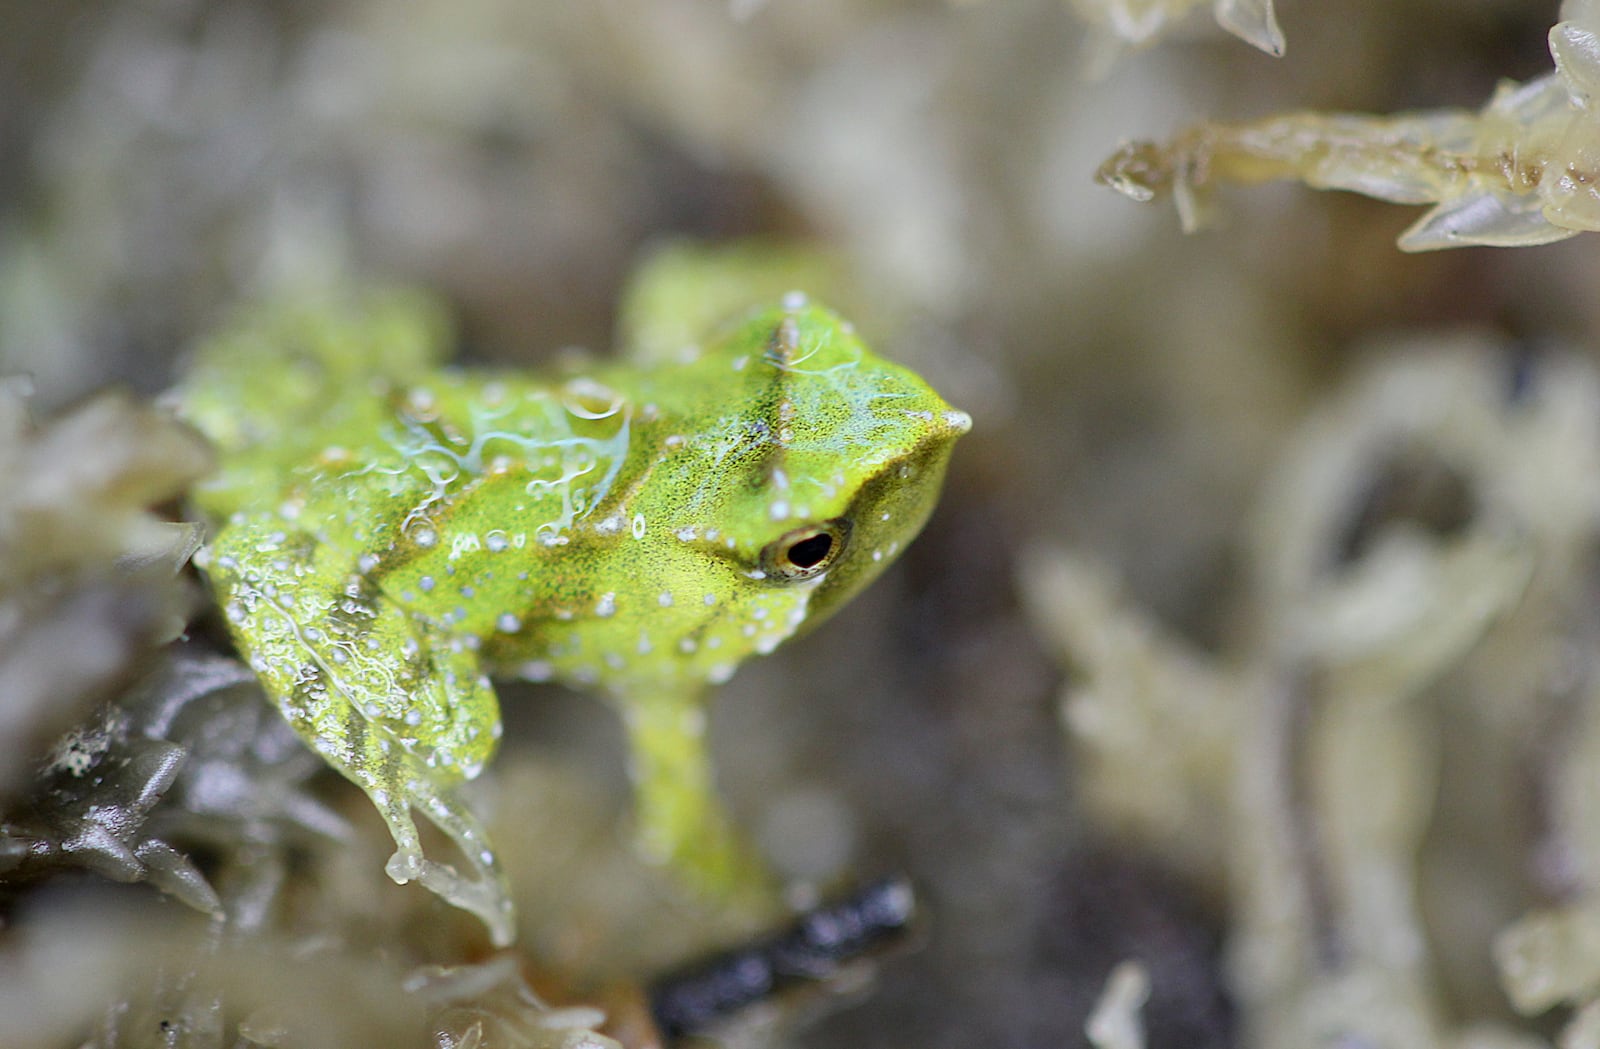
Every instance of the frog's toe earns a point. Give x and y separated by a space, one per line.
485 895
404 866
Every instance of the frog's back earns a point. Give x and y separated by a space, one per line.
290 379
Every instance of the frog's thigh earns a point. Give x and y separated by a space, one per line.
680 820
402 712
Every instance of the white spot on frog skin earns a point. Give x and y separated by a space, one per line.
710 599
508 623
614 660
638 526
426 584
495 542
755 573
413 717
366 563
779 509
748 630
645 647
664 599
609 525
739 363
551 539
606 606
922 416
877 555
588 399
795 300
468 591
759 612
958 420
687 645
712 535
688 533
885 516
424 536
720 673
291 509
536 670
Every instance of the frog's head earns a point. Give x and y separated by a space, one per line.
817 462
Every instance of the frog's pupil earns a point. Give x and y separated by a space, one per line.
808 553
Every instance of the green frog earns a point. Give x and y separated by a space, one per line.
389 533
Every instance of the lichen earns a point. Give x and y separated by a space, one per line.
1524 170
1427 521
88 574
1122 25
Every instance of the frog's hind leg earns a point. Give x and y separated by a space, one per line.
399 710
288 366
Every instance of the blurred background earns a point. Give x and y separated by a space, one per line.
1132 390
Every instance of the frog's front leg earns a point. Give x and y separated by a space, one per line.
680 821
400 709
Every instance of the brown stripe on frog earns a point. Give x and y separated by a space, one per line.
776 409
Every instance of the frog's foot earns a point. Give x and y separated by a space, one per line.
705 851
482 890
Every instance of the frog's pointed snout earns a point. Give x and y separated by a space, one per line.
956 421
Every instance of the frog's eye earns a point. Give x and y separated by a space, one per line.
805 552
